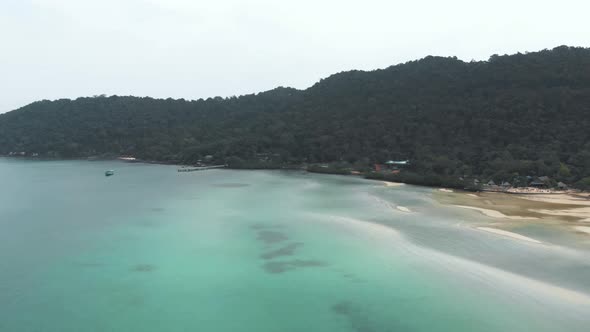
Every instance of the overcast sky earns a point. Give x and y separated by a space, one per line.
190 49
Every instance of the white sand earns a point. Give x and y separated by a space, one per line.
494 214
558 199
445 190
392 184
403 209
584 229
473 195
508 234
582 213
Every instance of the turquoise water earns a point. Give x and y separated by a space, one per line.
150 249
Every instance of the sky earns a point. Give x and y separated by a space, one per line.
51 49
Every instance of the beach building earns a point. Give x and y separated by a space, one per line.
393 166
540 182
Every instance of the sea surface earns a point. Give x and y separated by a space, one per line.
151 249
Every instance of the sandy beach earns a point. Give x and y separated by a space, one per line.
509 234
392 184
582 213
579 199
550 207
494 213
583 229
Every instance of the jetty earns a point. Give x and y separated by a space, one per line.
200 168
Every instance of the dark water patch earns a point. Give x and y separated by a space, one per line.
353 313
271 237
288 250
89 264
136 301
344 308
354 278
157 209
360 320
284 266
230 185
143 268
265 226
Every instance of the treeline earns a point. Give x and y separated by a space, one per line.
510 116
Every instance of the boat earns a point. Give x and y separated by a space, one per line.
109 173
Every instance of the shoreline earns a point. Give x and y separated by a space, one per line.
567 213
511 235
513 191
568 207
579 198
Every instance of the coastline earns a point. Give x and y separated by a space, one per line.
565 206
564 212
367 175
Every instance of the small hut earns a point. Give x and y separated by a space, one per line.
540 182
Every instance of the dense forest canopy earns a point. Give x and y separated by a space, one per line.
513 115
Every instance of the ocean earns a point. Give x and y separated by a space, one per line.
151 249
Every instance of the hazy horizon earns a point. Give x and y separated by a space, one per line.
196 49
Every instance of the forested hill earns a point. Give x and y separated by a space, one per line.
523 114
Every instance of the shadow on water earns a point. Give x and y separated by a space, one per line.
143 268
360 321
88 264
353 278
288 250
271 237
284 266
265 226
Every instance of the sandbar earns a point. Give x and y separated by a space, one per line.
508 234
584 229
392 184
582 213
558 199
403 209
494 213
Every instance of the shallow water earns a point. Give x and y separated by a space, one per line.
150 249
